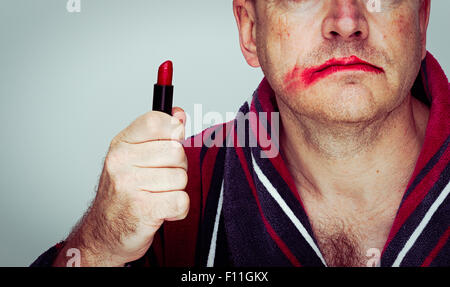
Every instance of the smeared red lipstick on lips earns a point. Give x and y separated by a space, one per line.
311 75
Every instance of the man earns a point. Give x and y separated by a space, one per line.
361 172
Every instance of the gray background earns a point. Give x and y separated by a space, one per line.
70 82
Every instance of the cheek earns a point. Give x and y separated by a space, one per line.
297 79
293 80
404 42
402 26
287 57
283 47
280 38
403 33
281 28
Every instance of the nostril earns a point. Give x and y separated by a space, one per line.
358 33
334 33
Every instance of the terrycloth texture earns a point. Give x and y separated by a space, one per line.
246 211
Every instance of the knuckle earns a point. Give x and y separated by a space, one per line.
115 158
111 161
115 140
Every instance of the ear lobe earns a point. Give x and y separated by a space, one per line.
244 13
424 17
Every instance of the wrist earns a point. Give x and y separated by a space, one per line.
81 249
74 255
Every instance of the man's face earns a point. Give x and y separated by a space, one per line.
337 60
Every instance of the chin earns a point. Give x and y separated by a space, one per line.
351 102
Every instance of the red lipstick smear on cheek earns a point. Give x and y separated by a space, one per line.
295 80
300 78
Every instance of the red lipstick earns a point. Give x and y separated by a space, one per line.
165 73
163 89
353 63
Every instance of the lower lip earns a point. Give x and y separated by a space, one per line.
310 76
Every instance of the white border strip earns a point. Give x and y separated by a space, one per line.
212 247
273 192
421 226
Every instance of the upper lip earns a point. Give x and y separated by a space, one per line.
352 60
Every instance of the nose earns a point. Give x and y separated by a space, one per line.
345 21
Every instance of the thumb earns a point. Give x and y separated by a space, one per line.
179 113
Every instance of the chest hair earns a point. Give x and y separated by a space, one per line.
343 243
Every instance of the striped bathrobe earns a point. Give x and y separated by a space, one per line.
246 211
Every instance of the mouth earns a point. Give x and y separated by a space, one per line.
353 63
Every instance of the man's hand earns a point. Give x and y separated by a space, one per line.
142 184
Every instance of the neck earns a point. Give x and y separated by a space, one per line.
363 162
